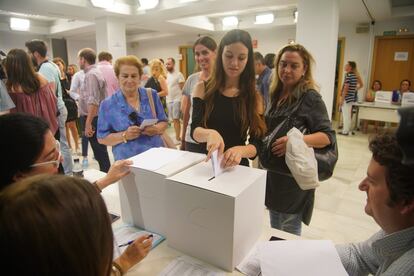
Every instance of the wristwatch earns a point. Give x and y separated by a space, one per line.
124 137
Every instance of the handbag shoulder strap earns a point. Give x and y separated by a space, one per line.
151 102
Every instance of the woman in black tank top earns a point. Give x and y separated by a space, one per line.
227 108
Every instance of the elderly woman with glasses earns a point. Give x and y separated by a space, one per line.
121 115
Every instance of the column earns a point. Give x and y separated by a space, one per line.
317 30
110 36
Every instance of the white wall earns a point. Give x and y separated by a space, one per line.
11 40
357 48
269 41
74 46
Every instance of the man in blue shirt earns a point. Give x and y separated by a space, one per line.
37 50
264 77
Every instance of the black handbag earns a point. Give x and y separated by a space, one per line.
326 157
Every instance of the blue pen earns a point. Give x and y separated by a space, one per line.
125 244
128 243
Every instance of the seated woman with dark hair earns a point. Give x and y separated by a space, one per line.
50 233
29 148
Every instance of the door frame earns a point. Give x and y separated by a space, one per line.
338 91
182 50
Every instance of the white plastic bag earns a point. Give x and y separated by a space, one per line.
301 160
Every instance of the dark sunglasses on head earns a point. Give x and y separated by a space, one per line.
133 116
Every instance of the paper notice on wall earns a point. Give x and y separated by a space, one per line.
400 56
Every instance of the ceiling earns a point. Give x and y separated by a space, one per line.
75 19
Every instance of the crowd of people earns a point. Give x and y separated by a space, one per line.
236 102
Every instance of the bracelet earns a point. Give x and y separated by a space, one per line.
116 269
95 184
124 137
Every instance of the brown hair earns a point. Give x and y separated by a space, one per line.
104 56
37 45
20 72
248 99
57 60
55 225
306 83
88 54
128 60
386 151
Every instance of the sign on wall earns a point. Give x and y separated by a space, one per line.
400 56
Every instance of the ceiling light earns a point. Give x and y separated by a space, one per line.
147 4
264 18
230 21
295 17
187 1
102 3
19 24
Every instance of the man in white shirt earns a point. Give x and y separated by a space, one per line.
390 201
175 81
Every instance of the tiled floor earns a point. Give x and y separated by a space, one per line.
339 206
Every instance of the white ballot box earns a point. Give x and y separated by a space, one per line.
217 220
143 193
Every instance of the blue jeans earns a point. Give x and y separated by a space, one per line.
64 146
99 150
291 223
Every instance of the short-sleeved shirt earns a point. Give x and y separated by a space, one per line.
51 72
6 102
174 91
113 118
189 85
95 89
41 103
108 73
263 84
352 81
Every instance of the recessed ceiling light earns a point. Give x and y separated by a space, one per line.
147 4
19 24
230 21
102 3
264 18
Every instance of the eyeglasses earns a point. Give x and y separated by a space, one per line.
55 163
133 116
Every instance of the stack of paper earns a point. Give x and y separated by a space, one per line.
187 266
300 257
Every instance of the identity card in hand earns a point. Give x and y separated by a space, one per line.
148 122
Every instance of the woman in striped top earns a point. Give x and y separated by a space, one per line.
349 94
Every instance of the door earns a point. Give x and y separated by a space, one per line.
393 60
187 63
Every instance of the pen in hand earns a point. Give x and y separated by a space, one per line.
128 243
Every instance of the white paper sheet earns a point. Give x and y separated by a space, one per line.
155 158
216 161
187 266
250 265
148 122
126 233
300 257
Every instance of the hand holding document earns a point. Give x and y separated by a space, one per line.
148 122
